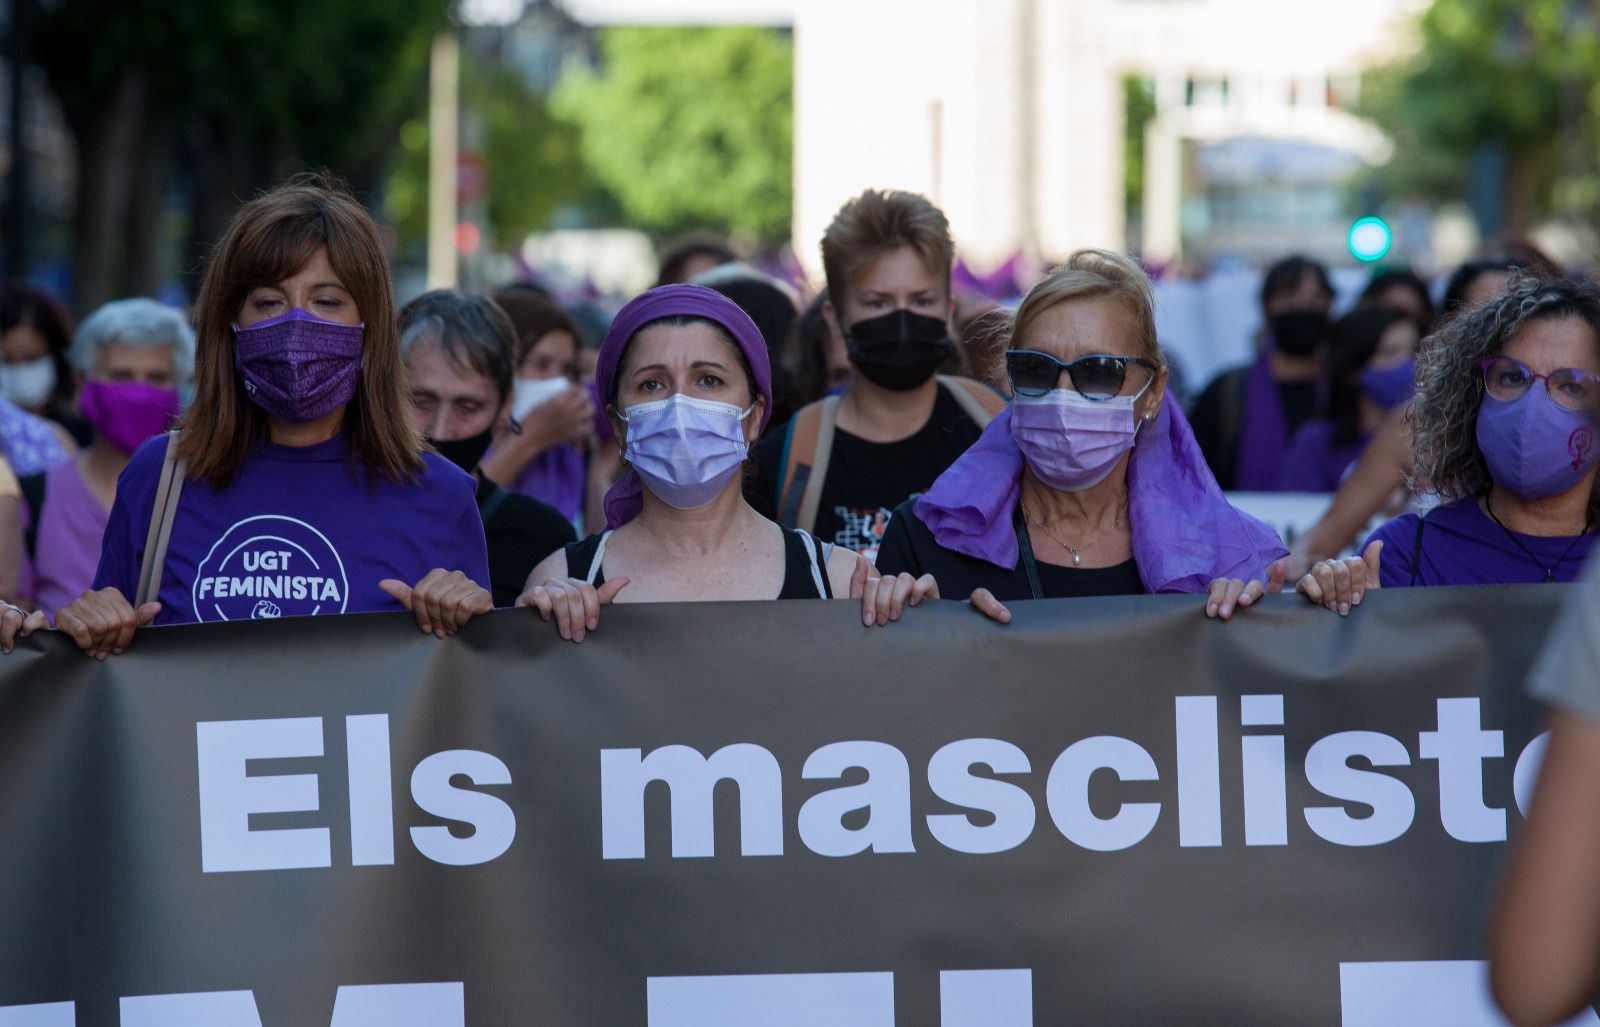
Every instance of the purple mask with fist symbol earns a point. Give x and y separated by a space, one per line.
297 366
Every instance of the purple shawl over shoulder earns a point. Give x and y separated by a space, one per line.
625 499
1185 533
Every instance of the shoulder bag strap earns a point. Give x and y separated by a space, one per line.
168 489
811 498
976 399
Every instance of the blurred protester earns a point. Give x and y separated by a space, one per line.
11 546
1400 290
32 444
818 353
1386 464
1370 370
133 357
548 457
593 319
1544 935
1090 483
686 381
773 307
1507 396
296 485
1245 418
457 351
846 462
35 331
690 257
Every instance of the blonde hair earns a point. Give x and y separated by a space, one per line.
1095 274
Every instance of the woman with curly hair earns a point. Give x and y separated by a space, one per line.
1503 427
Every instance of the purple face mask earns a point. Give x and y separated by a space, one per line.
1389 387
685 449
297 366
127 413
1534 446
1072 442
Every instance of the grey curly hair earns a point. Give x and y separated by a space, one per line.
1444 415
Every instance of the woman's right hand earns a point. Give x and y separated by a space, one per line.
16 622
574 603
985 603
1340 585
568 417
103 622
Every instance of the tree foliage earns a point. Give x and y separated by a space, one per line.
690 127
1516 77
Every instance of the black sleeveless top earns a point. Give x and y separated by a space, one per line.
805 564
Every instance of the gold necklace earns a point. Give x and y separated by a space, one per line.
1076 551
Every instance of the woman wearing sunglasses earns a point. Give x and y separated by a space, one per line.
1090 483
1504 433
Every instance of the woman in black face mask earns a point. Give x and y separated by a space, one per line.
845 462
457 351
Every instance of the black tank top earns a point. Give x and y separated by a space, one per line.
805 565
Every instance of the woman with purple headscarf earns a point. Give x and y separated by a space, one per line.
1504 432
687 385
1090 483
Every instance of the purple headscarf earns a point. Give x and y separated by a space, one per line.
625 498
1185 533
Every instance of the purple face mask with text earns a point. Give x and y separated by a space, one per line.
297 366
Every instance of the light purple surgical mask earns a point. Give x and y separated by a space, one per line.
686 450
1072 442
297 366
1389 387
1534 446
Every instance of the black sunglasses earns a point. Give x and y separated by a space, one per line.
1098 376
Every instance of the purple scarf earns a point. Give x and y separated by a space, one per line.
1185 533
1263 431
625 499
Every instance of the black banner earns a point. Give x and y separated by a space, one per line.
1109 812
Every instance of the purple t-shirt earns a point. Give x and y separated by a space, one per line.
72 522
1316 461
1462 546
298 532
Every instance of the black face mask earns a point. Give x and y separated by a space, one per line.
899 350
1298 333
465 453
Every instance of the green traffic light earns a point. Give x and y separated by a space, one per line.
1370 238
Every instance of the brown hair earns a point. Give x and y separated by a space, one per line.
533 316
270 239
876 222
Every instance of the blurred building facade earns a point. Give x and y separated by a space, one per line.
1011 115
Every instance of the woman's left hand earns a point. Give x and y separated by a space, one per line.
442 602
1227 593
884 598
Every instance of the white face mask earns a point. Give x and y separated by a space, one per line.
528 393
28 384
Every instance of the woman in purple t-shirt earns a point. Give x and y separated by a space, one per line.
304 488
1504 427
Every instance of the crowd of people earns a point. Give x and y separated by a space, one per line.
300 445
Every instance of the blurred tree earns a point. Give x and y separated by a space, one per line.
1138 110
690 127
1497 107
533 159
224 99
